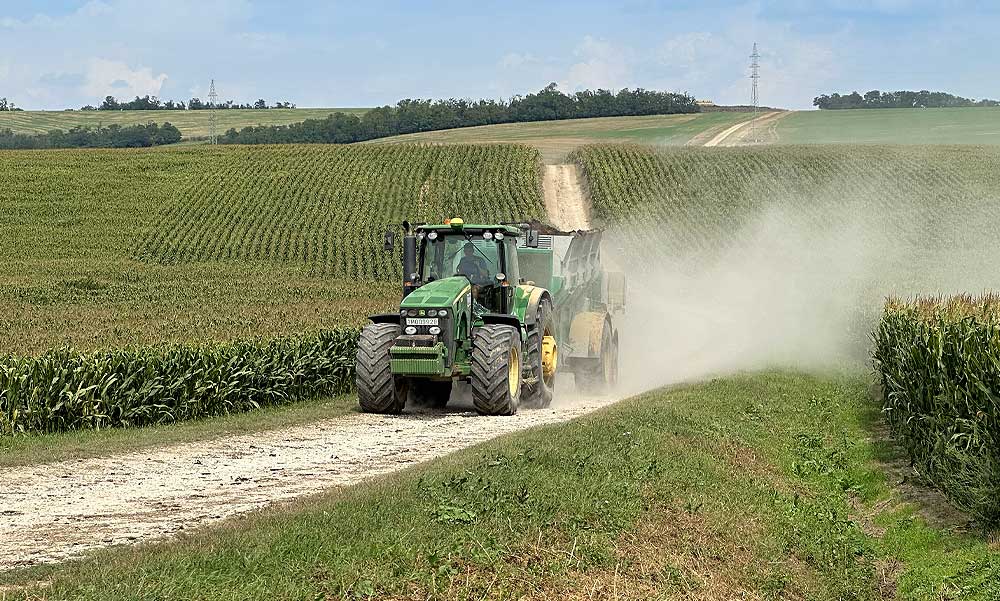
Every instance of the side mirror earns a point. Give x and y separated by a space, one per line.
531 239
389 242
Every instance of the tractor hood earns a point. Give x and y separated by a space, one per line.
438 294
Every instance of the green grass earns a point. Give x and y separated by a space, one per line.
36 449
191 123
556 139
762 486
104 248
892 126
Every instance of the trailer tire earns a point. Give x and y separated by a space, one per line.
538 394
379 391
496 369
600 375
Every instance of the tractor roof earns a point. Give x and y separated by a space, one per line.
457 225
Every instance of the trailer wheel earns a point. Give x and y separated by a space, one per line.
431 393
378 390
496 370
542 355
600 375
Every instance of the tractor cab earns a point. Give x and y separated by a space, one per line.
485 255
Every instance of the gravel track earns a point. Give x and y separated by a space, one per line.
54 511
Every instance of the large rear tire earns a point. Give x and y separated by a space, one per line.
538 393
496 370
378 390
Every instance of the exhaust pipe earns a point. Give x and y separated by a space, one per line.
410 275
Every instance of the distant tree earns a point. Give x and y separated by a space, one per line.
260 104
109 104
901 99
112 136
7 105
415 115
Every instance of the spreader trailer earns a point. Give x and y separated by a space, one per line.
505 307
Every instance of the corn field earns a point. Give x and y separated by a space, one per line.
694 200
326 207
938 360
68 390
106 249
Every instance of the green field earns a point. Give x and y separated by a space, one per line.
107 248
556 139
192 124
759 487
891 126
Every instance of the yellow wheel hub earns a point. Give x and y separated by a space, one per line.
514 372
550 355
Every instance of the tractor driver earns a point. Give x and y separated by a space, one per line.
473 266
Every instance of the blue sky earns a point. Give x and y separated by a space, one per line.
67 53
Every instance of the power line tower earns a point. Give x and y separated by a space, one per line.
754 77
213 99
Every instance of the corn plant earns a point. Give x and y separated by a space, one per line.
64 389
938 360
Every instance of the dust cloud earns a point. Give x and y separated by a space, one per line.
793 287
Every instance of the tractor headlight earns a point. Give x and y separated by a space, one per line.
435 330
442 313
411 330
432 313
432 236
402 312
498 235
487 235
412 312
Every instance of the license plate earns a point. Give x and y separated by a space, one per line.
421 321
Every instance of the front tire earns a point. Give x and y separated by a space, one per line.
496 370
379 391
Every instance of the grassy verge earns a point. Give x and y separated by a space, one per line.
43 448
762 486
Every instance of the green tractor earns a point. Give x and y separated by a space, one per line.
504 307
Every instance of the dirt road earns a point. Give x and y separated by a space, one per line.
737 134
565 201
54 511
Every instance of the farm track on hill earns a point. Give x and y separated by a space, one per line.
55 511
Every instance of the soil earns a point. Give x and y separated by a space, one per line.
739 134
54 511
565 201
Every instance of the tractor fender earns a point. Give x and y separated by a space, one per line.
586 333
500 318
534 300
385 318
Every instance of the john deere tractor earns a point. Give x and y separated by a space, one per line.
505 307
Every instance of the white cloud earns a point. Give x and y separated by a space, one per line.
105 77
603 65
517 60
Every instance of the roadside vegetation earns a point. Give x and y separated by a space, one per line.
759 485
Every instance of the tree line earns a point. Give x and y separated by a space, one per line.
7 105
902 99
410 116
152 103
112 136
